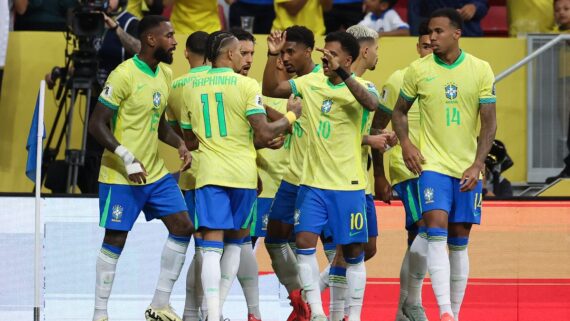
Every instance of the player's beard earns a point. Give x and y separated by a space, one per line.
163 55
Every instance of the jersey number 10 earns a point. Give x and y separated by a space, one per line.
221 115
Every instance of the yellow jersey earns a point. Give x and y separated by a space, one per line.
310 16
271 164
138 97
298 145
189 16
390 93
334 120
135 7
216 107
187 180
449 97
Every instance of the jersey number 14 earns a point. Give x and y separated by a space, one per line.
221 115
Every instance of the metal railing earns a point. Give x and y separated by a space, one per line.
548 103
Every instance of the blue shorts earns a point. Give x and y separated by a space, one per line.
343 211
224 208
371 218
190 198
261 218
120 205
408 193
441 192
283 208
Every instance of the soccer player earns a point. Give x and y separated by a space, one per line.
295 51
225 111
414 265
367 60
194 53
332 186
133 177
454 88
248 271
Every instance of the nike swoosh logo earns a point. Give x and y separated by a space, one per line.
314 88
353 234
139 87
428 79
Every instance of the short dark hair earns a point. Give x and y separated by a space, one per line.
449 13
214 43
423 30
347 42
391 3
196 42
242 35
150 22
300 34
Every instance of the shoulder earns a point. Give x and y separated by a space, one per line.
390 14
124 70
166 71
396 77
478 64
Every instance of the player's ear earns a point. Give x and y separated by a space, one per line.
150 39
457 34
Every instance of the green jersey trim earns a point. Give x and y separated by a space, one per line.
317 68
200 69
218 70
294 88
255 111
333 86
173 122
144 67
185 126
457 62
108 104
406 97
487 100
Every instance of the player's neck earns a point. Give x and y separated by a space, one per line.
307 70
196 62
148 58
335 80
450 57
358 68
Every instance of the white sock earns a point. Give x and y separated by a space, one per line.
284 263
211 275
356 279
417 268
330 251
438 266
193 285
339 289
229 267
324 278
404 280
105 274
200 299
459 261
171 262
248 277
309 273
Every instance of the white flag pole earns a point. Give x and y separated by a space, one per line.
38 236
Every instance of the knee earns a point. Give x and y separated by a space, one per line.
182 228
369 251
115 238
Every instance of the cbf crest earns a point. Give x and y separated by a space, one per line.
265 221
297 216
428 195
451 91
117 213
156 99
326 106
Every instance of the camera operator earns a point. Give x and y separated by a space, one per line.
117 43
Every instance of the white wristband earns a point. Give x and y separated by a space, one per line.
127 157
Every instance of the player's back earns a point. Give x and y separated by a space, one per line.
218 104
174 110
449 98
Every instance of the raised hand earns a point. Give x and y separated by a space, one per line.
276 42
328 58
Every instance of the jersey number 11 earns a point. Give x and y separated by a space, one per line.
221 115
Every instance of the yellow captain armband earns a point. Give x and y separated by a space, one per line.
291 117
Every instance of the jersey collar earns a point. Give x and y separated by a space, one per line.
200 68
457 62
144 67
317 68
221 69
